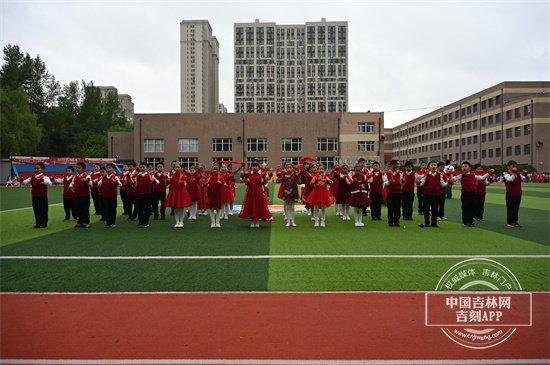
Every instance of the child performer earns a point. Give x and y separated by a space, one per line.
108 186
130 191
392 180
193 190
123 192
444 191
81 185
419 189
96 176
288 178
376 192
159 193
143 182
512 181
68 195
306 174
481 191
178 197
343 190
332 174
408 191
255 200
213 184
39 191
203 175
468 186
320 197
359 198
431 183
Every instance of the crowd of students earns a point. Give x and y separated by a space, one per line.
143 192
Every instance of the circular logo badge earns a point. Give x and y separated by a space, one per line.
481 306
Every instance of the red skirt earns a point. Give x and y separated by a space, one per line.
178 198
358 200
255 205
214 197
202 203
227 195
193 191
320 196
305 193
343 193
281 192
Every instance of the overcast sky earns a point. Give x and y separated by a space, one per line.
402 55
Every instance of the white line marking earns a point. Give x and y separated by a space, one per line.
262 257
25 208
245 292
275 361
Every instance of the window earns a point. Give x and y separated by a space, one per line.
517 150
491 136
260 160
483 121
365 127
153 145
475 139
327 144
291 160
509 133
483 153
517 131
256 144
469 155
222 144
364 146
188 162
509 151
483 138
526 130
508 114
188 145
497 152
220 159
527 110
328 162
526 149
498 135
517 113
291 145
153 161
490 153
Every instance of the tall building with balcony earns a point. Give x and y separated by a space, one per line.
291 68
199 60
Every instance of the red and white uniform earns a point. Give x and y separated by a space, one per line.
39 184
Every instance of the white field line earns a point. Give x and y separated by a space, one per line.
265 257
25 208
274 361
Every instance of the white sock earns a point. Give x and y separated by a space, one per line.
323 213
212 216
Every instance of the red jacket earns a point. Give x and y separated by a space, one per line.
39 185
513 188
143 184
394 179
432 186
108 187
163 182
408 182
376 184
80 185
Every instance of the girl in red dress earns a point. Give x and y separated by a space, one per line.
306 174
359 198
343 190
255 200
178 197
288 191
193 190
202 204
333 175
213 184
320 197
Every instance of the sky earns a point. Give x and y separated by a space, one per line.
402 54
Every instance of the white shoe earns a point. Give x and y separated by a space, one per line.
287 224
316 224
357 224
322 224
176 225
312 218
225 217
218 225
213 225
252 225
181 225
257 225
293 224
361 224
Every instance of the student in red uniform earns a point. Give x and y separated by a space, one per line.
193 190
376 192
108 190
255 206
96 176
289 178
143 183
481 191
392 180
358 198
468 197
419 189
159 192
431 182
102 173
81 185
178 197
408 191
68 195
213 184
444 192
306 174
343 190
512 181
39 191
320 197
131 208
123 193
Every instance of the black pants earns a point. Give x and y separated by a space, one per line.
109 210
82 209
124 198
40 209
158 197
468 205
512 209
449 194
143 207
420 196
131 207
68 206
480 206
376 205
441 205
408 201
394 208
431 203
97 201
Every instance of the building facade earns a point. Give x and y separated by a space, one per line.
273 138
124 100
222 108
199 61
291 68
508 121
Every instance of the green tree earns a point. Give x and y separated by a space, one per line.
19 131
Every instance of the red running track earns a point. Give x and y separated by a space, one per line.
243 326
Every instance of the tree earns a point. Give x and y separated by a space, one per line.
19 131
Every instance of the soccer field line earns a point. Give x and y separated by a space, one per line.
25 208
269 257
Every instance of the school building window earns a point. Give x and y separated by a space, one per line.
221 159
498 135
509 133
490 153
483 153
291 160
291 145
365 127
526 149
188 162
526 129
517 131
153 161
327 144
256 144
222 144
517 150
527 110
364 146
188 145
153 145
509 151
327 162
260 160
497 152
